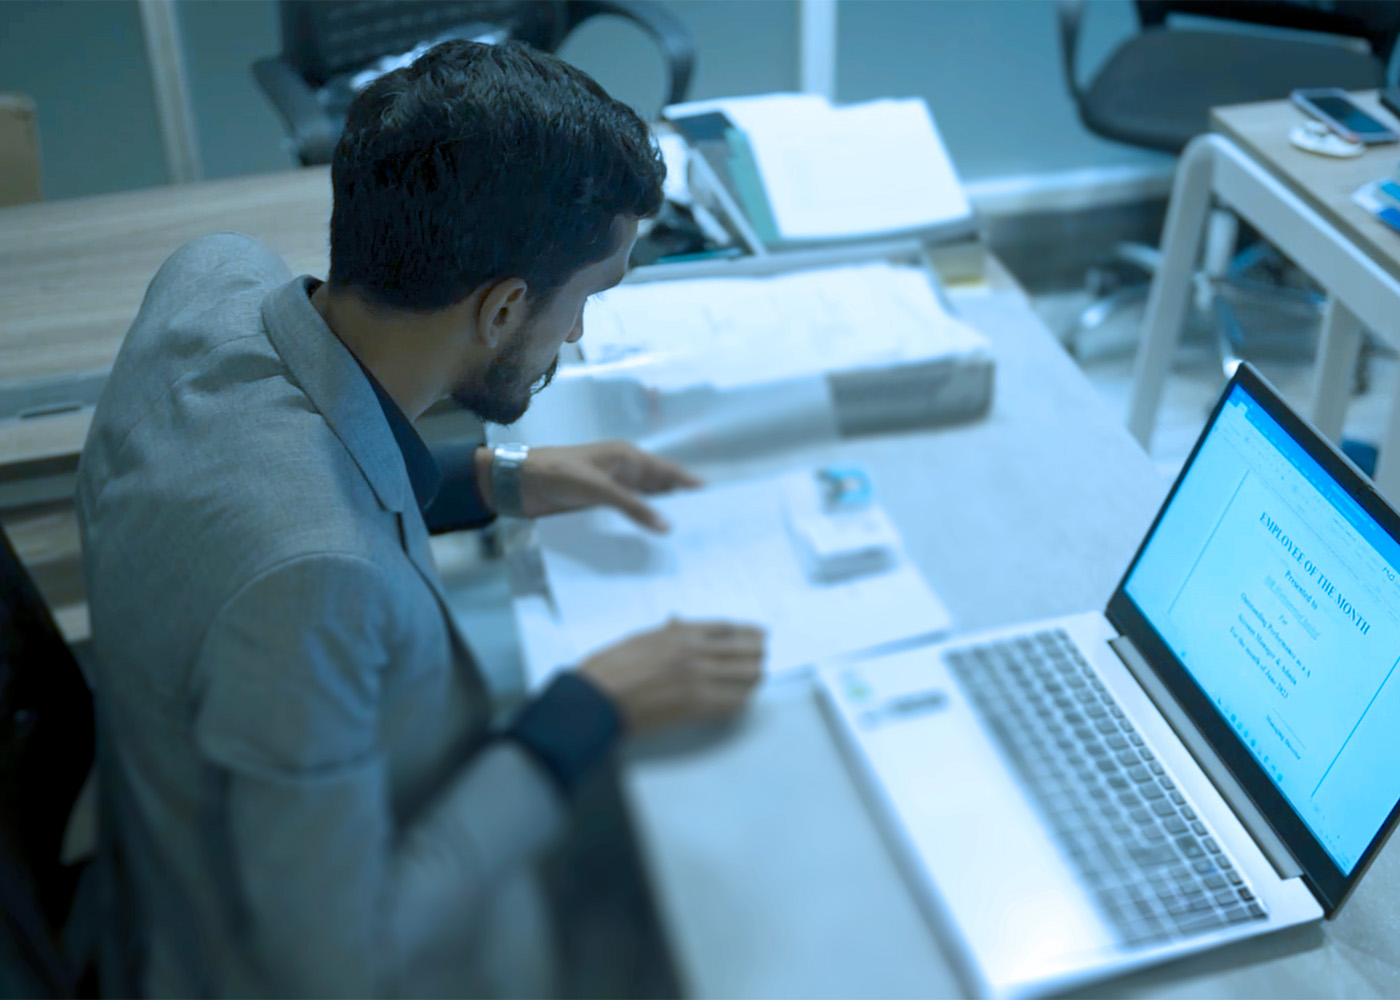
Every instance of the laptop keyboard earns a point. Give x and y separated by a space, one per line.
1152 867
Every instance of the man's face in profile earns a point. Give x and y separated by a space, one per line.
502 394
527 362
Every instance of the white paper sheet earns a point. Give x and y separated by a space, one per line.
746 421
729 556
838 172
675 153
757 113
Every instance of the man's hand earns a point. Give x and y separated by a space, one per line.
681 671
610 474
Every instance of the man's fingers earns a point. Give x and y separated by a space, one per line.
630 505
730 637
650 473
720 629
732 648
732 671
663 474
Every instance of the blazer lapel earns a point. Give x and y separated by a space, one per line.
332 379
336 385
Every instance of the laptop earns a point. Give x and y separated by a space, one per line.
1210 758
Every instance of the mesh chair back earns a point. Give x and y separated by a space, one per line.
46 751
1375 21
323 39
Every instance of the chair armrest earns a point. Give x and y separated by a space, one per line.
667 30
1071 13
310 128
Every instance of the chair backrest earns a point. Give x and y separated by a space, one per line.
323 39
46 751
1375 21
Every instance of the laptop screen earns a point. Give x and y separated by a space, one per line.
1279 595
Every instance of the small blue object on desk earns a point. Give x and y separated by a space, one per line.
844 488
837 529
1382 199
1362 454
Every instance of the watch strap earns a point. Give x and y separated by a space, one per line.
507 465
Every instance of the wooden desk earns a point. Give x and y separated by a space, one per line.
73 272
72 276
1301 203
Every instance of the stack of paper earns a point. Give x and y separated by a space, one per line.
866 348
805 170
729 556
732 332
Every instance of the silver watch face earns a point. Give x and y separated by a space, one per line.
511 452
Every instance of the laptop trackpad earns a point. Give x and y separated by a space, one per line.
965 820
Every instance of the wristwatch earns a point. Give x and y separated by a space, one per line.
507 461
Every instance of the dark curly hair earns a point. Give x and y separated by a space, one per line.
481 162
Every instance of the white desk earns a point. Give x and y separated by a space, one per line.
1301 203
770 876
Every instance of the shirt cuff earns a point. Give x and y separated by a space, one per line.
458 503
570 728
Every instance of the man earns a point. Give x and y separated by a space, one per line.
306 796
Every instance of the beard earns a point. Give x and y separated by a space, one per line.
503 393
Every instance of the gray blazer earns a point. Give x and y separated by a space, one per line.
291 728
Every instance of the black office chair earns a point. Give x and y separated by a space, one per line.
46 752
1156 89
331 47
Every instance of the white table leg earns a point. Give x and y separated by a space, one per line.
1222 236
1387 476
1171 287
1337 350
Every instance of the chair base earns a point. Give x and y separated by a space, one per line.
1261 307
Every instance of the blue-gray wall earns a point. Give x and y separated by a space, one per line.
991 73
84 63
988 68
239 133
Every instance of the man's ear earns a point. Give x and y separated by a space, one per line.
502 310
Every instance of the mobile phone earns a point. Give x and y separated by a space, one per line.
1335 108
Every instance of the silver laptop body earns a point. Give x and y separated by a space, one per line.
1207 760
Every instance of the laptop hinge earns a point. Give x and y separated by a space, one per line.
1215 769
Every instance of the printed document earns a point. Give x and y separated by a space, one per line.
729 556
